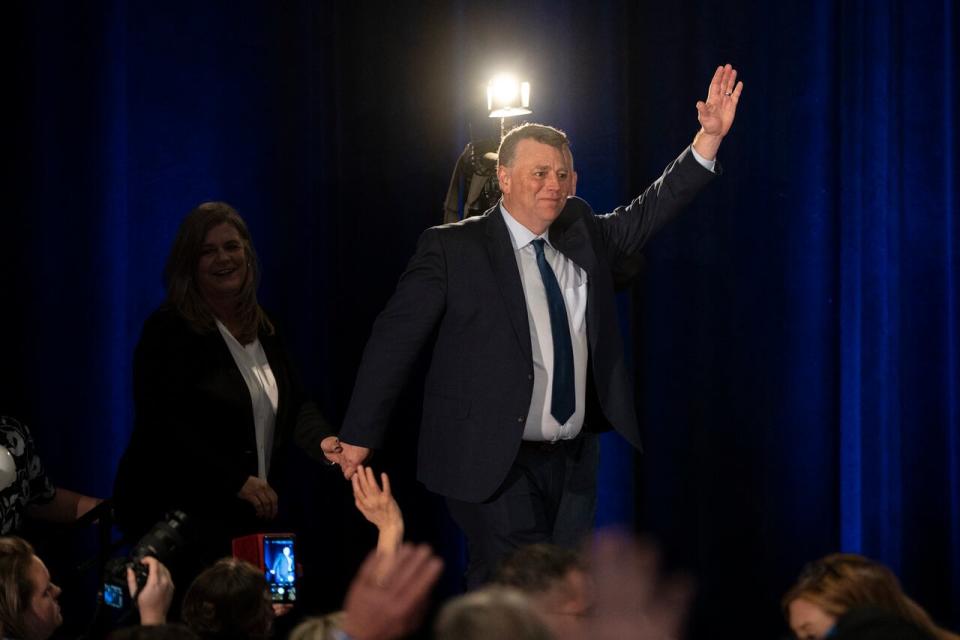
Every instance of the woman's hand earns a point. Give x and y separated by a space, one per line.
379 507
261 495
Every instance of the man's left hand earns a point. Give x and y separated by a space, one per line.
717 113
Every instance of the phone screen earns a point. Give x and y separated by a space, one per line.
113 595
280 568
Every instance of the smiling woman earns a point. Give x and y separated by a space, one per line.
215 396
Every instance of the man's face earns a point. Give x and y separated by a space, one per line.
536 185
43 615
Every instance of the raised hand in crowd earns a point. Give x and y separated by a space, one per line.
633 600
388 604
379 507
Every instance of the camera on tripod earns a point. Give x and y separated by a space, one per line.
163 542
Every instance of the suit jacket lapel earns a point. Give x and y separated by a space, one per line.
504 265
568 235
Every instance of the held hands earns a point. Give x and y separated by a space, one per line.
261 495
351 457
332 451
717 113
157 593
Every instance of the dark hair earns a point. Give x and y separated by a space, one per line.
841 582
530 131
536 568
180 272
16 589
229 600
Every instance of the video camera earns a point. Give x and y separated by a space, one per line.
164 542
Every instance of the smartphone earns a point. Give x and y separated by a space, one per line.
280 566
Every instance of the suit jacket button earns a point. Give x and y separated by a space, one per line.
521 419
529 376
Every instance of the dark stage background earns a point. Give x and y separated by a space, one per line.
796 335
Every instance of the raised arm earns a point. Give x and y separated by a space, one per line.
379 507
717 112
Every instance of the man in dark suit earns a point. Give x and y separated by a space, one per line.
528 362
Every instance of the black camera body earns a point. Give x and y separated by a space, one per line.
163 542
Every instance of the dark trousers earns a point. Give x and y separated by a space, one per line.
550 496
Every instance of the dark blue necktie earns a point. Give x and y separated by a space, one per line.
564 399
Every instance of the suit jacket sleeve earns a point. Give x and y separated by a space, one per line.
627 229
399 334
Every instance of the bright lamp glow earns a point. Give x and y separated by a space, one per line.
507 97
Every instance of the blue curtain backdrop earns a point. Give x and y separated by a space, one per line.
795 336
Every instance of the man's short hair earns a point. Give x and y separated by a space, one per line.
542 133
536 568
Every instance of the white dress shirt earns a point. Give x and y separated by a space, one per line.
541 426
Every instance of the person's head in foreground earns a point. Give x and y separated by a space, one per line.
839 583
28 599
492 612
325 627
229 600
556 582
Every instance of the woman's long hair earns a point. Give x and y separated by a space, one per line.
180 272
16 589
840 582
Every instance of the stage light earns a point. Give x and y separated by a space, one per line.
507 97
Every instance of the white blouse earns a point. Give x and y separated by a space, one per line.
264 396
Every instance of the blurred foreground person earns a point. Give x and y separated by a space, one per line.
556 581
843 583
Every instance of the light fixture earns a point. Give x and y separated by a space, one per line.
507 97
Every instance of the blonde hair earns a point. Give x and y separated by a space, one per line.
492 612
840 582
16 588
318 628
